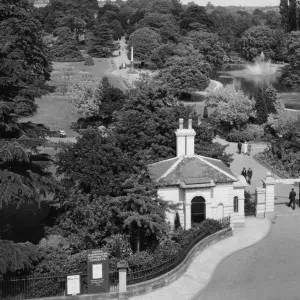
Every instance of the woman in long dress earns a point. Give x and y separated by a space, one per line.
245 148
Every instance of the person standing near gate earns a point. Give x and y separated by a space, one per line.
292 198
239 145
249 175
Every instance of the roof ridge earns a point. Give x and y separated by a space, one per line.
215 167
172 167
162 161
205 157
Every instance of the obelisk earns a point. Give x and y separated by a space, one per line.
131 57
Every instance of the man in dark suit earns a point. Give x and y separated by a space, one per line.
239 145
292 198
244 173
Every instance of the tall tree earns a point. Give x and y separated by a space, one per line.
64 47
291 73
143 40
261 107
24 69
293 17
96 164
142 211
101 44
145 127
271 100
185 75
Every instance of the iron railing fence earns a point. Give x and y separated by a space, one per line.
144 274
37 286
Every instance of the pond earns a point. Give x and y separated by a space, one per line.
248 79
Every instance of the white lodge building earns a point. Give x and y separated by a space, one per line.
205 187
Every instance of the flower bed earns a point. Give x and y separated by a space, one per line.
274 165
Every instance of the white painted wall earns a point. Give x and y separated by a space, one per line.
219 202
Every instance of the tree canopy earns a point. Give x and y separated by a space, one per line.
231 108
185 74
143 41
24 69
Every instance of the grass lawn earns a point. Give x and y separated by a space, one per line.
54 109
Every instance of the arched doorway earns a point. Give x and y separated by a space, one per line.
198 209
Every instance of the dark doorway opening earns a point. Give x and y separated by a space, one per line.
198 210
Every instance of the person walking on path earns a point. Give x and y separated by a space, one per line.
239 145
244 173
249 149
245 148
249 175
292 198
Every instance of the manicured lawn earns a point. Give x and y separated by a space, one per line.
55 112
54 109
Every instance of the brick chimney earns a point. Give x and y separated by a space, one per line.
185 139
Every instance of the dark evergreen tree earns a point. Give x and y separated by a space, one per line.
293 18
284 11
24 69
271 98
142 212
177 224
101 44
145 127
65 47
205 112
261 107
96 164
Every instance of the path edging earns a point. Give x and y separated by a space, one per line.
228 255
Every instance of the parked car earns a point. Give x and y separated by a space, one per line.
62 133
58 133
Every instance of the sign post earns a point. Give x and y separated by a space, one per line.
73 285
98 272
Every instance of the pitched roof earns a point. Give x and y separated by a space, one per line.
193 169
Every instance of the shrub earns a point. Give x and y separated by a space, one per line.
88 61
119 246
177 224
141 259
251 133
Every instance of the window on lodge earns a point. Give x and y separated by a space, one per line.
235 204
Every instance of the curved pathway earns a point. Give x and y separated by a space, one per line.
203 266
270 270
259 171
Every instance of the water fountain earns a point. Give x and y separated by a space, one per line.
261 66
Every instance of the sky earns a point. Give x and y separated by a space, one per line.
235 2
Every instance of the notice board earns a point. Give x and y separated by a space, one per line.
98 272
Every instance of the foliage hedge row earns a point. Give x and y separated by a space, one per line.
251 133
173 246
283 165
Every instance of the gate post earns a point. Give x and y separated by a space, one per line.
260 194
122 267
269 184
